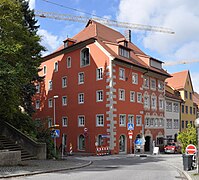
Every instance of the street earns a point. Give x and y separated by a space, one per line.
123 167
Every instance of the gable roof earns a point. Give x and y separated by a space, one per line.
178 79
196 98
104 35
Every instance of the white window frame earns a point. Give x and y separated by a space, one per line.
132 96
161 103
64 82
153 84
80 98
50 85
153 102
147 121
138 123
80 75
99 95
69 62
50 103
121 73
37 88
169 106
64 100
37 104
175 107
121 94
139 97
64 121
81 120
169 123
50 122
122 120
56 66
131 118
134 78
99 73
176 125
146 82
81 57
100 120
44 69
160 86
146 101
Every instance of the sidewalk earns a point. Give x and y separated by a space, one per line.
32 167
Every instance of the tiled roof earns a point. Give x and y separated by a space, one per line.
178 79
104 35
196 98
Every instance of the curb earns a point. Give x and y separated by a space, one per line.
46 171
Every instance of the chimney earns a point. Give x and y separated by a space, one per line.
127 34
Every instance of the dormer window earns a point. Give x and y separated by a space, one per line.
124 52
85 58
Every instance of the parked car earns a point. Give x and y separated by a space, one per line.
172 148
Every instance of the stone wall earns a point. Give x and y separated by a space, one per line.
10 158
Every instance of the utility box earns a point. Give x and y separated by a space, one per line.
187 162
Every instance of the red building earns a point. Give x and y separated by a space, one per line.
97 82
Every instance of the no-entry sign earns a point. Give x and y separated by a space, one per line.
191 149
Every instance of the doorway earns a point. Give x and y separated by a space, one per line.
147 143
122 144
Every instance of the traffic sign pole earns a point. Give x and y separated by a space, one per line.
130 133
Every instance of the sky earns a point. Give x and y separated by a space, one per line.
182 16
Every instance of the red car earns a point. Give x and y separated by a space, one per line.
172 148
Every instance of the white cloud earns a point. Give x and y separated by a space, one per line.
180 15
31 4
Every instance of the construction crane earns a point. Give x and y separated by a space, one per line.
84 19
173 63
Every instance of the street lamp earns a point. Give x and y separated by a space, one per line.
197 127
55 97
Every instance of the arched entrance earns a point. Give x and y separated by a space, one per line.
122 144
147 143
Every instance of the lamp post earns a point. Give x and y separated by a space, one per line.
197 127
55 97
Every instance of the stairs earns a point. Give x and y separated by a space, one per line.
7 144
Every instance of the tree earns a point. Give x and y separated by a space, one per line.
188 136
20 57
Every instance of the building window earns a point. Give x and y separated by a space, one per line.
190 95
168 106
37 88
50 103
131 119
194 111
182 108
99 72
64 121
121 94
186 124
80 98
81 78
190 110
100 120
64 82
81 142
50 122
124 52
81 121
99 96
182 124
122 120
175 107
151 122
161 122
50 85
56 66
134 78
160 141
100 140
186 109
132 96
138 120
169 123
69 62
85 59
37 104
153 84
160 85
146 101
186 94
122 74
45 70
146 82
147 122
153 102
64 100
139 97
161 104
176 124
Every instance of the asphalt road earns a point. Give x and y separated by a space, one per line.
119 167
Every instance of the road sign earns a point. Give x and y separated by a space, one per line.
130 126
55 133
191 149
130 133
